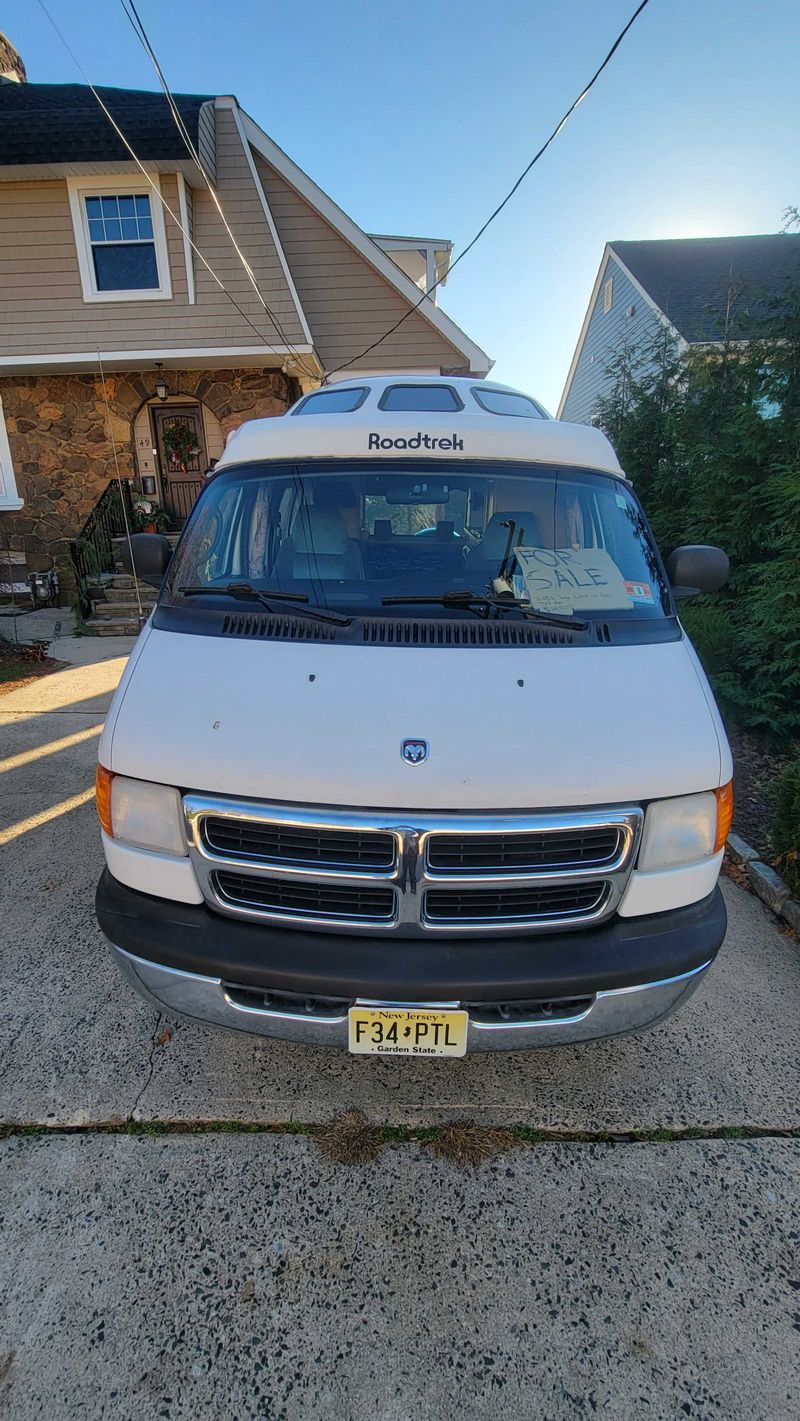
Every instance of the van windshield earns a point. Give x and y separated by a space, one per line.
360 538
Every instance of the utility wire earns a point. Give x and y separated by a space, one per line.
156 189
523 175
132 15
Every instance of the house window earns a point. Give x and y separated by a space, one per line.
121 239
608 295
9 498
119 232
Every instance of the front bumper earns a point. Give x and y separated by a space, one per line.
621 976
210 999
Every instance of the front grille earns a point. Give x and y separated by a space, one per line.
288 1003
411 874
562 900
547 1009
276 843
590 847
306 900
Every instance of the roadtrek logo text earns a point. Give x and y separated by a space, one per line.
417 441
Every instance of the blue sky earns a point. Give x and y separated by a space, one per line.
417 117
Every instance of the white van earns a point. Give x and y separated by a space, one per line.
413 755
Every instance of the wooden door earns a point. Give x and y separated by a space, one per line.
182 457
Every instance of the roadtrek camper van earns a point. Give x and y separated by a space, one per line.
414 756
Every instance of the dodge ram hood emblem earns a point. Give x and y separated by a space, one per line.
414 751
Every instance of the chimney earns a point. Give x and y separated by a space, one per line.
12 68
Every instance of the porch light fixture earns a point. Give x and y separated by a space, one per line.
162 389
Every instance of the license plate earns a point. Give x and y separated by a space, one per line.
407 1031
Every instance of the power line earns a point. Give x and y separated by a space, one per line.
156 189
134 18
523 175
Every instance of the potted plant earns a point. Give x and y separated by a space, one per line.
149 516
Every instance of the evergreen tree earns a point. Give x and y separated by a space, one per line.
711 440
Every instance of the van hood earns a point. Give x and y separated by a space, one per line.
507 729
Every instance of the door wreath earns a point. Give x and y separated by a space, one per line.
180 445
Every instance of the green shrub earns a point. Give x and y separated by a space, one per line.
711 439
786 827
713 635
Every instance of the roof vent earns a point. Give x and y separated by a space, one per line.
277 628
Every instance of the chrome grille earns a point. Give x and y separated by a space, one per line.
560 900
590 847
413 874
297 844
305 900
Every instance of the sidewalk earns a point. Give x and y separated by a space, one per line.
56 626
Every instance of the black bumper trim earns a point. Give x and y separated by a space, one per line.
624 952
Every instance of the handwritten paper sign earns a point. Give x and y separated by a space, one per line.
570 579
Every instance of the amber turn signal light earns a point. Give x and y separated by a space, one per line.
724 796
102 795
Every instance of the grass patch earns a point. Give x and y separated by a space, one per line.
20 664
351 1139
464 1143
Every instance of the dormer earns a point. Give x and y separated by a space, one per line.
425 259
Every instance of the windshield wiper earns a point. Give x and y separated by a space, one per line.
473 600
266 598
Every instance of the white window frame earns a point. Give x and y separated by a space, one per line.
608 295
9 498
112 185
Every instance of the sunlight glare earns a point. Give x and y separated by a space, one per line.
15 831
25 757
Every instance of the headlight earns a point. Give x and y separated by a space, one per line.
687 829
147 816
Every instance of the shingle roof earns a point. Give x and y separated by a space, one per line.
690 278
63 123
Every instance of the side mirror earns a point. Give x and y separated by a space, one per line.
151 555
697 568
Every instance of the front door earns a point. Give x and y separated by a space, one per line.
181 446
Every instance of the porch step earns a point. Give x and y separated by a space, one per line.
107 627
125 597
126 610
119 590
109 580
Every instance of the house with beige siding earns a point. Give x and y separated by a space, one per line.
149 307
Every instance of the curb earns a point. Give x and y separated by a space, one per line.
765 882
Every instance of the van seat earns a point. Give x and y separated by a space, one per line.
493 544
320 547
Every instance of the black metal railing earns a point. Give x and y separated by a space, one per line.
92 552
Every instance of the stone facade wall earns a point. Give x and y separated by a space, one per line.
58 430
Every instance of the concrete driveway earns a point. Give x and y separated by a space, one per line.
236 1273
